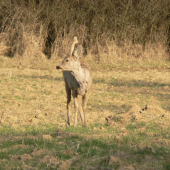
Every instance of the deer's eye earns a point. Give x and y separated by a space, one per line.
67 60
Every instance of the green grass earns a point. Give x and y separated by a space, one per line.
131 127
87 148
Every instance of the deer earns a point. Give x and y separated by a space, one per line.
78 80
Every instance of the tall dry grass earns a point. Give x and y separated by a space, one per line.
31 30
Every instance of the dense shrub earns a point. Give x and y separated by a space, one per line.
38 28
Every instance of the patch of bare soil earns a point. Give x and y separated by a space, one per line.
26 167
50 160
64 165
22 146
138 114
47 137
25 157
130 167
40 152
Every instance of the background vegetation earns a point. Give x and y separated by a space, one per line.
107 29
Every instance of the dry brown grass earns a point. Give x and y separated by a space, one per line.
33 100
4 48
27 90
113 53
32 49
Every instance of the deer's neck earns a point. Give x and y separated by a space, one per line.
80 74
81 78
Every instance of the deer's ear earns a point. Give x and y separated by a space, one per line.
77 50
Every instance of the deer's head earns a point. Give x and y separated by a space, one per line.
71 62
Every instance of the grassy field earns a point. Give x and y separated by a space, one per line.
128 118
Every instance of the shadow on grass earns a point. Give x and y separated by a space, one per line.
109 107
130 83
88 150
91 151
140 87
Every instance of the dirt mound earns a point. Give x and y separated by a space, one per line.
49 159
138 114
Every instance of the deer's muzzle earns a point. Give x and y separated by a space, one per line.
58 67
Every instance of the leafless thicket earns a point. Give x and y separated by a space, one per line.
108 30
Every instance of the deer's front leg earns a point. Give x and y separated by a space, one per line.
75 96
68 104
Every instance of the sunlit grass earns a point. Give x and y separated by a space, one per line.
33 104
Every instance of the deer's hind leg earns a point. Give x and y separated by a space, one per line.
77 107
84 104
